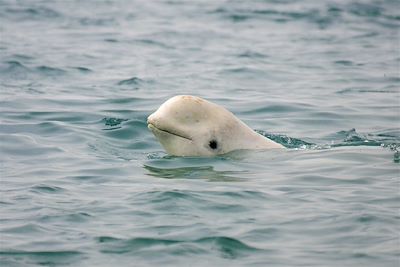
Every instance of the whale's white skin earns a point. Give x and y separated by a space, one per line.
191 126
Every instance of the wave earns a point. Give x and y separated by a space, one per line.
389 138
15 70
227 247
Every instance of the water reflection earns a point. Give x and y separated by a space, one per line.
194 172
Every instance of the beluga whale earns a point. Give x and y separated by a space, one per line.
188 125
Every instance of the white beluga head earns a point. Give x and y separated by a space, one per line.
191 126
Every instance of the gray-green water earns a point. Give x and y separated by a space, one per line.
84 183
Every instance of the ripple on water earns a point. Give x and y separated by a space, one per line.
14 70
47 189
32 13
135 83
50 71
200 172
193 203
22 145
124 129
26 228
112 122
42 258
226 247
83 69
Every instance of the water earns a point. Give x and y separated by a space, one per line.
84 183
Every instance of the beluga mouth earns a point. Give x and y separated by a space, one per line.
153 128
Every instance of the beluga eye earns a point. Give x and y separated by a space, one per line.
213 144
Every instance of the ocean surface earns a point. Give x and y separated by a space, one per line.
85 183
